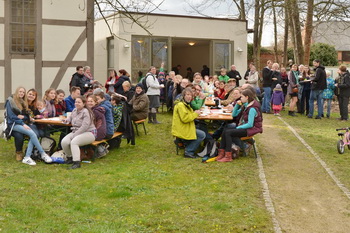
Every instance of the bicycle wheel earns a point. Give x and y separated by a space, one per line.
340 147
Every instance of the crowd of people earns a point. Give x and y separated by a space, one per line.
97 111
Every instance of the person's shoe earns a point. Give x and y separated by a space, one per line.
221 154
46 158
277 114
322 115
76 164
69 160
227 158
155 118
308 116
150 118
29 161
190 156
328 116
19 156
318 117
291 113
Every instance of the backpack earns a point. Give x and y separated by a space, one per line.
144 82
5 131
48 144
210 149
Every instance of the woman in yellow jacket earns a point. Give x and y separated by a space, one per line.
183 124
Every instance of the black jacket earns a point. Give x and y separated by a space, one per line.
320 80
118 85
344 85
78 81
236 75
267 77
126 126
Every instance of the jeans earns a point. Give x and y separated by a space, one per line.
318 96
192 145
19 140
305 100
329 105
267 99
33 141
343 107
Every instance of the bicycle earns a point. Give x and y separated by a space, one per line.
344 140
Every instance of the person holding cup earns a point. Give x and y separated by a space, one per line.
153 93
111 80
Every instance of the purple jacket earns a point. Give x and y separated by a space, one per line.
277 97
100 122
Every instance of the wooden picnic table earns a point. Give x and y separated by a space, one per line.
216 114
57 122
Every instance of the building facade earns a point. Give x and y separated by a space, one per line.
41 43
175 40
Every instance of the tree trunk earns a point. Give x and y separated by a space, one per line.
308 30
256 46
242 10
297 32
275 30
286 30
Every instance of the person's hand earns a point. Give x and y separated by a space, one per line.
239 102
161 85
336 84
274 79
230 107
201 95
20 117
26 127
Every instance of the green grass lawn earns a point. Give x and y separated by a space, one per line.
322 136
142 188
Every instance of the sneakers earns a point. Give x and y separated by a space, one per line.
46 158
29 161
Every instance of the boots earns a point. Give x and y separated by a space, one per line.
155 118
19 156
76 164
69 160
221 154
227 158
150 118
291 113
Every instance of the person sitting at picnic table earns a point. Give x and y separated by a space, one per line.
70 100
49 99
183 126
248 111
220 92
60 104
83 132
99 116
199 97
18 118
139 103
108 114
229 96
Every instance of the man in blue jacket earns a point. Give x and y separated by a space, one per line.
108 113
70 100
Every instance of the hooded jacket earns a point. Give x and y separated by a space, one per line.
183 121
81 122
277 96
320 80
140 104
109 116
100 122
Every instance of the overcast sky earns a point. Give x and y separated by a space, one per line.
221 8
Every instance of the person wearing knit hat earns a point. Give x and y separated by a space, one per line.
139 103
277 99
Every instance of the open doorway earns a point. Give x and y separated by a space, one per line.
192 53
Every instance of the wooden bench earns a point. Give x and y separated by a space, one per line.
96 143
250 140
140 122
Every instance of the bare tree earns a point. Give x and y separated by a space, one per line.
308 30
135 10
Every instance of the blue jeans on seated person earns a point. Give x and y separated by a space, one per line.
318 96
33 141
192 145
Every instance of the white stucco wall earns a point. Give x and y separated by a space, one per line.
2 8
49 74
2 83
64 10
176 27
23 73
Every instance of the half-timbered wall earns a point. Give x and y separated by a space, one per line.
64 40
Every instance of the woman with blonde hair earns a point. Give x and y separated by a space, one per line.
50 100
18 118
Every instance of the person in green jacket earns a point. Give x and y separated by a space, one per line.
183 126
223 76
199 97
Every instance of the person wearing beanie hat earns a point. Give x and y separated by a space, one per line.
139 103
277 99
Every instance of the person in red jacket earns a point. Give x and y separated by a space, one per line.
111 80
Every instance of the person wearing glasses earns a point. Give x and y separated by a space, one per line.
199 97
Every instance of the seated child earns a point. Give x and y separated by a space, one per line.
117 110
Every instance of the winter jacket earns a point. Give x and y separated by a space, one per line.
229 98
152 84
329 92
140 104
100 122
109 116
12 112
81 122
267 75
117 111
344 85
319 82
252 79
234 74
78 80
243 113
224 78
118 85
277 97
275 74
220 95
183 121
69 104
108 80
293 81
197 103
126 126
